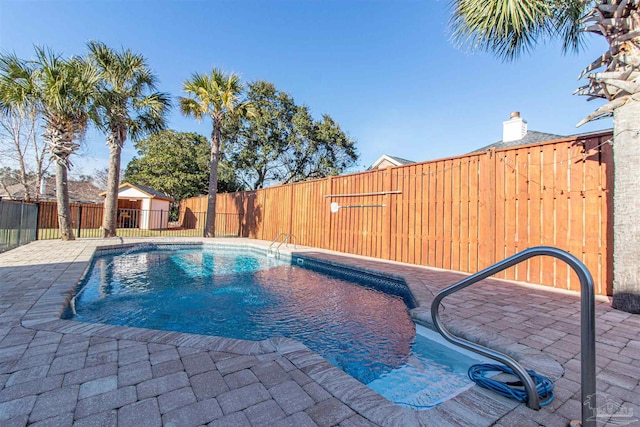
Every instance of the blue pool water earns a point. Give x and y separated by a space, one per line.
243 294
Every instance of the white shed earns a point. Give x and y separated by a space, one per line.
142 207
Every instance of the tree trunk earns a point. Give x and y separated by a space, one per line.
39 177
62 196
110 219
24 180
214 158
626 208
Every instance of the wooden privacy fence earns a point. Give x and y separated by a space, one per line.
89 214
462 213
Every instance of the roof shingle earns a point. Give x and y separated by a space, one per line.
531 137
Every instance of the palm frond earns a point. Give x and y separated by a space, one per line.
191 107
127 91
510 28
151 114
569 25
246 110
217 95
17 83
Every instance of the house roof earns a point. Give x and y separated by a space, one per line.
531 137
151 192
79 191
586 134
398 161
401 160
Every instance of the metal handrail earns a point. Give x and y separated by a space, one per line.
273 243
288 237
588 326
286 240
277 237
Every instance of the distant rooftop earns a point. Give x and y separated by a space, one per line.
151 191
401 160
387 161
515 132
531 137
79 191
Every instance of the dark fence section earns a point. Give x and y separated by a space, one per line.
18 223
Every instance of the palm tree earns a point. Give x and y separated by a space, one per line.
217 96
61 90
126 104
510 28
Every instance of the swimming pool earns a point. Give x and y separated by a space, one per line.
239 293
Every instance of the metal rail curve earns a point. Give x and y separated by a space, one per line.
273 242
587 309
286 239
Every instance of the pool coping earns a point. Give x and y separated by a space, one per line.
474 406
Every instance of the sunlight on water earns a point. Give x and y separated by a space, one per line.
245 295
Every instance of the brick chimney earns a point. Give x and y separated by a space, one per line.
514 129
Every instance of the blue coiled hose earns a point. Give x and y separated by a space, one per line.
513 390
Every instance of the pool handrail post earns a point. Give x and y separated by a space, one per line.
587 309
273 242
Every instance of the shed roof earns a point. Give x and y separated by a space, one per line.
151 192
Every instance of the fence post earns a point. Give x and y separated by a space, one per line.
37 219
487 215
387 218
79 219
20 223
161 222
291 208
241 214
327 218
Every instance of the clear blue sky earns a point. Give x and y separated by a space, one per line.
386 71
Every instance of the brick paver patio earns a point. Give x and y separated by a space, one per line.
60 373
